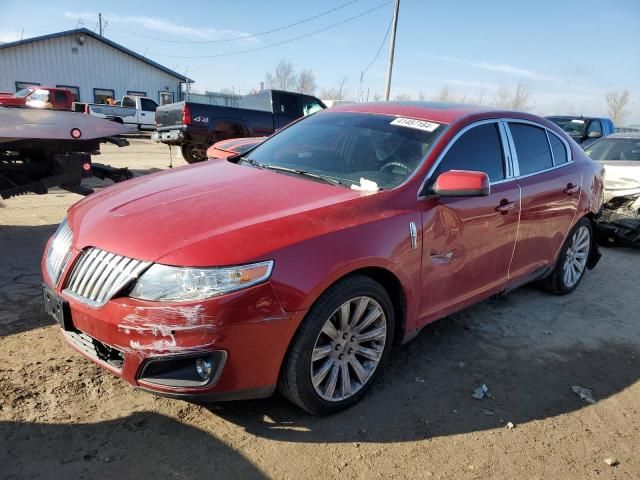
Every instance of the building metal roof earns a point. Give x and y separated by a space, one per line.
86 31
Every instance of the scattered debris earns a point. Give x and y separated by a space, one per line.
585 394
547 332
510 425
487 412
461 364
481 392
419 379
612 462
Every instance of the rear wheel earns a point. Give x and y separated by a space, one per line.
193 153
340 347
572 262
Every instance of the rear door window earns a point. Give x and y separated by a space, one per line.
288 104
60 97
532 148
148 105
129 102
478 149
558 148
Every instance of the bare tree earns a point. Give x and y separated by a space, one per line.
514 99
377 97
520 96
284 77
402 97
481 94
502 98
444 95
616 104
339 92
306 81
422 96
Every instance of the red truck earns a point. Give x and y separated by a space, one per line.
39 97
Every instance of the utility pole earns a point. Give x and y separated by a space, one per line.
100 22
392 46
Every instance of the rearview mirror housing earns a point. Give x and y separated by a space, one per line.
462 183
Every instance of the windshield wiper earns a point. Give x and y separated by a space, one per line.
304 173
252 162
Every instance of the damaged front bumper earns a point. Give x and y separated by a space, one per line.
619 221
224 348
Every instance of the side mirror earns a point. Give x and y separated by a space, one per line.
595 134
462 183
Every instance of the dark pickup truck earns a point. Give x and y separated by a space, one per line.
196 126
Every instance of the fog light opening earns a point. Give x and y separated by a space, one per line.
204 367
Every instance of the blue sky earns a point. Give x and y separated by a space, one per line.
570 52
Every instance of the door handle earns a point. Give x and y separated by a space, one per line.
505 206
571 189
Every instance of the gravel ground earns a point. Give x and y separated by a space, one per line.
62 417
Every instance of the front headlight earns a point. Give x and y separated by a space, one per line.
164 283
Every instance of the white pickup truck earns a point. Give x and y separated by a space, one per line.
132 111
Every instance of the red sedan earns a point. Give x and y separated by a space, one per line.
300 264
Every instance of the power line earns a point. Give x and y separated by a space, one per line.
242 37
363 72
239 52
384 40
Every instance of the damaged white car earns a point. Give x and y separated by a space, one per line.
620 155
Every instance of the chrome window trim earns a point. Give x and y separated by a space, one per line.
547 131
435 165
553 158
567 148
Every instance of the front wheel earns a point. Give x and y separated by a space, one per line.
193 153
340 347
572 261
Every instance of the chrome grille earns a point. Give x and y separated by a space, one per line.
98 275
59 252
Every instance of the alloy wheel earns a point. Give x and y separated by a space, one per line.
348 349
576 257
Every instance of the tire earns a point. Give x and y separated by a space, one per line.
559 281
339 354
193 154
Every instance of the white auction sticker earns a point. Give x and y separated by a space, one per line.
417 124
577 121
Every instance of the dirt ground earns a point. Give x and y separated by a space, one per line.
62 417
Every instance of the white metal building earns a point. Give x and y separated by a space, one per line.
91 66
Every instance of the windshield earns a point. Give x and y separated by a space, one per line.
573 126
625 149
349 147
24 92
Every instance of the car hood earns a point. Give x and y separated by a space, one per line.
212 213
621 178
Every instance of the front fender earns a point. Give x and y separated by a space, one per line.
304 271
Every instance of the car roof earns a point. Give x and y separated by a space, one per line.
634 135
440 112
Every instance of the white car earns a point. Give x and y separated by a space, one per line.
620 155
